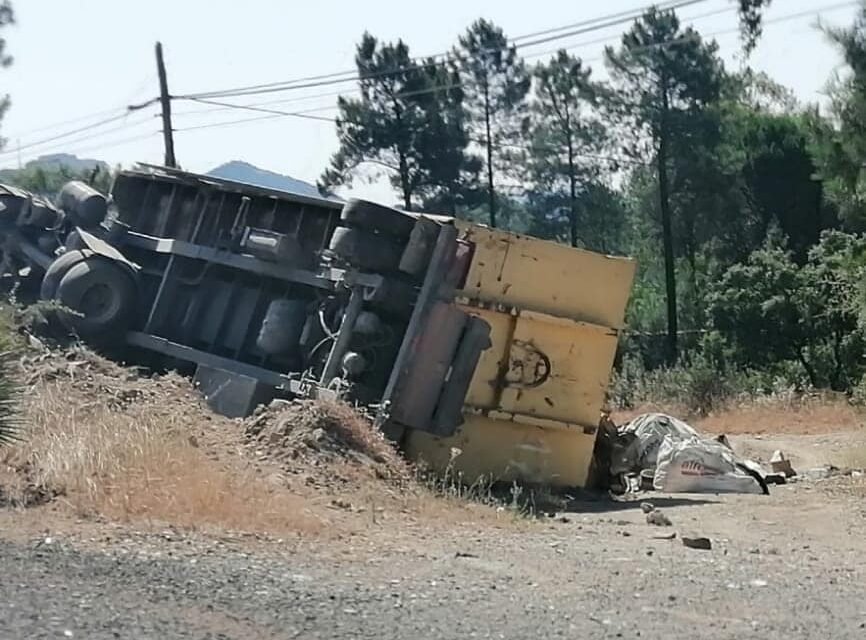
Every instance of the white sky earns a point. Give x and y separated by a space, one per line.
75 58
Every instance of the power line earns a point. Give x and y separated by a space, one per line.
539 54
110 143
97 125
585 26
307 113
55 125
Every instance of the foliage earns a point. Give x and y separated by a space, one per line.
666 82
750 21
566 140
841 146
775 311
495 82
47 181
408 123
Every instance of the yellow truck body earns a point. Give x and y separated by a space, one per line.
533 405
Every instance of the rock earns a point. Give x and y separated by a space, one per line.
658 519
698 543
646 507
665 536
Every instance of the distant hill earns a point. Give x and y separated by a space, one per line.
240 171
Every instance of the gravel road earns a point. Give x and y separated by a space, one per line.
785 566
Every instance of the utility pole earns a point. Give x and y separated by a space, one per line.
165 101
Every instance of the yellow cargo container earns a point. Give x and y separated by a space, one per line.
533 405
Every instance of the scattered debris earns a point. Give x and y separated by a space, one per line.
465 554
776 478
678 459
780 464
646 507
698 543
658 519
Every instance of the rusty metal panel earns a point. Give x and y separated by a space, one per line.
529 273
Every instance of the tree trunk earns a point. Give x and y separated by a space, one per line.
491 192
405 187
572 180
667 233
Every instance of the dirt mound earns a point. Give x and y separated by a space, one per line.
312 433
95 379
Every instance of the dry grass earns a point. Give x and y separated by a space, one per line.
103 441
138 463
781 414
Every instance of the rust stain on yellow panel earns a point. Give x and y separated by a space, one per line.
569 382
506 451
548 277
482 390
535 397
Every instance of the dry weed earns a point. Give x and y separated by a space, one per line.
799 414
137 462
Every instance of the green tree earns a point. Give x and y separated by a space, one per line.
667 80
385 125
841 147
751 26
566 137
495 82
776 311
452 173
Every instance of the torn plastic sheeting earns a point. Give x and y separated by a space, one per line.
681 460
644 435
696 465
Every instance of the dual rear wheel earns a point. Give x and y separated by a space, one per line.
98 295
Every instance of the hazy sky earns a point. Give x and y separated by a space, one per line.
75 58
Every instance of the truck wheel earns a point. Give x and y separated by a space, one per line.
102 294
365 250
374 217
57 269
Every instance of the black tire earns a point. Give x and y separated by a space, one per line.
376 218
364 250
57 269
102 294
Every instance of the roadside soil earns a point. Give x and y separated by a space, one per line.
363 550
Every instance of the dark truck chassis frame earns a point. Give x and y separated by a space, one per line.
439 347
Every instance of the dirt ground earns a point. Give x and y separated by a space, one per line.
211 528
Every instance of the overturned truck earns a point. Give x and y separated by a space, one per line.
473 347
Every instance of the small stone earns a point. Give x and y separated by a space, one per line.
646 507
759 583
665 536
658 519
698 543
